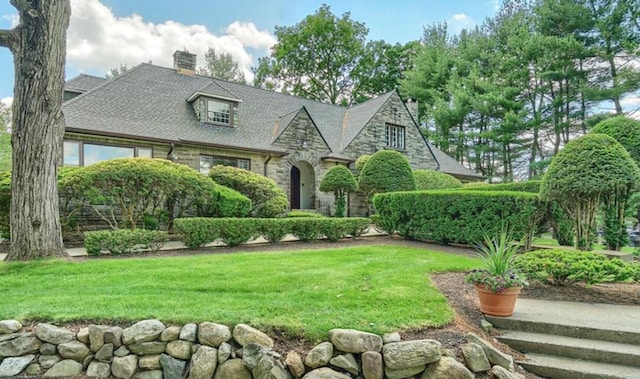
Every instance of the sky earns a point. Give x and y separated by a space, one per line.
104 34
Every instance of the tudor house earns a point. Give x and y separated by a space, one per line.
172 113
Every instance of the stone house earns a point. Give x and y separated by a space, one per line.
172 113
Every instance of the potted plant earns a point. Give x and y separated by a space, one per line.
498 283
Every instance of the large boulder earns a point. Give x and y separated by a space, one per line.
75 350
372 367
212 334
99 370
203 363
224 352
447 368
149 362
233 369
172 333
400 355
494 355
105 354
188 332
9 326
295 364
325 373
173 368
354 341
147 348
319 355
475 357
17 347
14 366
48 361
53 334
113 335
401 373
124 367
96 336
245 334
263 363
346 362
143 331
67 367
179 349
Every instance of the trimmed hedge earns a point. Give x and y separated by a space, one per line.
560 267
197 232
457 216
432 180
124 241
530 186
298 214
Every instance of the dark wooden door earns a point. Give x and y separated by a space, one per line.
295 188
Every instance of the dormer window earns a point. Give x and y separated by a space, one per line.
218 112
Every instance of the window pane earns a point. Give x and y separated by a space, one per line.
401 138
244 164
98 153
205 164
71 153
218 112
145 152
387 133
224 161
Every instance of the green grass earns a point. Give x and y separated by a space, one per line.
548 241
305 293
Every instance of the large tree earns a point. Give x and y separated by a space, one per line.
38 45
221 66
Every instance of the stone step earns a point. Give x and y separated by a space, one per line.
553 367
577 348
614 323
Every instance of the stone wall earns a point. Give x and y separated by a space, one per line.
151 350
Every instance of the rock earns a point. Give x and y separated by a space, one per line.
33 369
14 366
83 335
233 369
294 362
399 355
486 325
346 362
188 332
147 348
179 349
354 341
75 350
143 331
172 333
494 355
224 352
448 353
263 363
9 326
372 367
203 363
121 351
502 373
87 360
47 361
68 367
325 373
245 334
19 346
475 357
99 370
149 362
408 372
173 368
391 337
213 335
105 354
154 374
124 367
8 337
195 347
113 335
53 334
319 355
96 337
48 349
447 368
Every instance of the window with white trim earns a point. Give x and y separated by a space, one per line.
208 161
78 153
218 112
394 136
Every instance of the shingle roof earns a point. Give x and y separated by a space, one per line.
450 165
83 83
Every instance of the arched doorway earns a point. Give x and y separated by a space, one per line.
302 186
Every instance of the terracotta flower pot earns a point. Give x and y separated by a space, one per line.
498 304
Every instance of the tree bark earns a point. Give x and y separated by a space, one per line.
38 47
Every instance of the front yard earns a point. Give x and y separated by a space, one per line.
302 293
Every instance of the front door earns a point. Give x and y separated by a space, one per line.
295 187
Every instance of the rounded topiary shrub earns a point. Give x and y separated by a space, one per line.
588 168
339 180
432 179
624 130
386 171
268 200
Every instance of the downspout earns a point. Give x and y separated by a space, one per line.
266 162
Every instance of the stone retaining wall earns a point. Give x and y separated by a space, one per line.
150 350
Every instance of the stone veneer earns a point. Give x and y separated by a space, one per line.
150 350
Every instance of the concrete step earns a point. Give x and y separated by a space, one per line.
614 323
577 348
567 368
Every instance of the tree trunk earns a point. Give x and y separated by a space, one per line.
38 46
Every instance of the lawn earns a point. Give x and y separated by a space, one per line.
304 293
546 240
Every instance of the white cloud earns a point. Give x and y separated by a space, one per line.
460 21
98 40
6 101
14 19
460 17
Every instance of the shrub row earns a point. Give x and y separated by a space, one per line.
457 216
197 232
565 266
531 186
124 241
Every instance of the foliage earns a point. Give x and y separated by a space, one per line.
5 138
336 229
624 130
221 66
530 186
226 202
196 232
361 162
432 179
587 169
340 181
560 267
458 216
117 71
307 229
275 229
386 171
5 203
267 199
124 241
299 213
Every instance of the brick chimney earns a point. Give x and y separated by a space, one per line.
412 107
184 62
